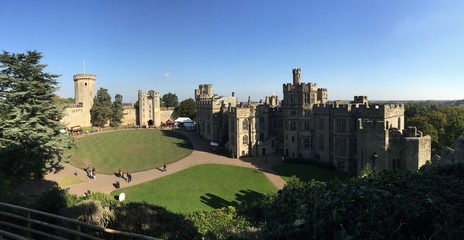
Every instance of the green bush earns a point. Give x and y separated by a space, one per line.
383 205
221 224
90 211
147 219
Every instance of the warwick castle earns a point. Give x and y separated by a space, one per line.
304 126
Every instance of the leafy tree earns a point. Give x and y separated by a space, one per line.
443 121
169 100
187 108
117 111
101 109
30 139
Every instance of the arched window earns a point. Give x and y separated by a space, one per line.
245 139
245 124
261 137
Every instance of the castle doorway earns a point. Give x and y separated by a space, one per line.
150 122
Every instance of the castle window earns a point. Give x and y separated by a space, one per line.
85 84
245 124
399 123
306 142
341 125
293 113
292 125
293 138
245 139
306 126
262 123
261 137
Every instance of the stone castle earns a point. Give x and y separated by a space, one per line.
147 113
305 126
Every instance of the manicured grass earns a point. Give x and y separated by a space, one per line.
202 187
306 172
132 150
66 181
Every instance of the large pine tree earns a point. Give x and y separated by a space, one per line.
32 140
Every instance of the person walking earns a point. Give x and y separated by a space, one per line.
164 168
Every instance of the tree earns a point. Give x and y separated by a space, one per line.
169 100
31 138
101 109
187 108
117 111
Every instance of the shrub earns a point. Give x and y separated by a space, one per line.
147 219
221 224
90 211
383 205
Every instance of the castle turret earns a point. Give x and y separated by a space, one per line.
296 76
84 90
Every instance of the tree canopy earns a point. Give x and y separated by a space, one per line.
187 108
101 110
443 122
169 100
31 135
117 111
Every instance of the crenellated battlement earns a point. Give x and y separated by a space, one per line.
84 76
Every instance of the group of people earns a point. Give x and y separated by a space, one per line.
90 173
127 177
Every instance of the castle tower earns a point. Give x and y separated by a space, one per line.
84 90
149 108
296 76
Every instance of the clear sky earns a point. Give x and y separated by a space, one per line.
387 50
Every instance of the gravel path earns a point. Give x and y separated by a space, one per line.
200 155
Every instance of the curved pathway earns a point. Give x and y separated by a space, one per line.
200 155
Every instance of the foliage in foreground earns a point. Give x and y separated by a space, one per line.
384 205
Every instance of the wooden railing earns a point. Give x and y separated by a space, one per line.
24 223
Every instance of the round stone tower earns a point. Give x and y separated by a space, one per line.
84 89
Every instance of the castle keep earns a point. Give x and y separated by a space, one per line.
307 127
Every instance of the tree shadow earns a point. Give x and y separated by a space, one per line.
186 143
242 197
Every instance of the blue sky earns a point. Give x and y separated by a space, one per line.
387 50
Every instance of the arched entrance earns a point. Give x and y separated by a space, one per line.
150 122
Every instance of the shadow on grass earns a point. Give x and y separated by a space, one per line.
306 172
184 144
243 196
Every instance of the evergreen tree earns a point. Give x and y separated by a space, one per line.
117 111
169 100
187 108
101 111
31 135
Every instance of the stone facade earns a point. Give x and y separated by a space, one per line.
134 115
305 126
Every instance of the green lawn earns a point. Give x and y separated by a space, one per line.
132 150
202 187
306 172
